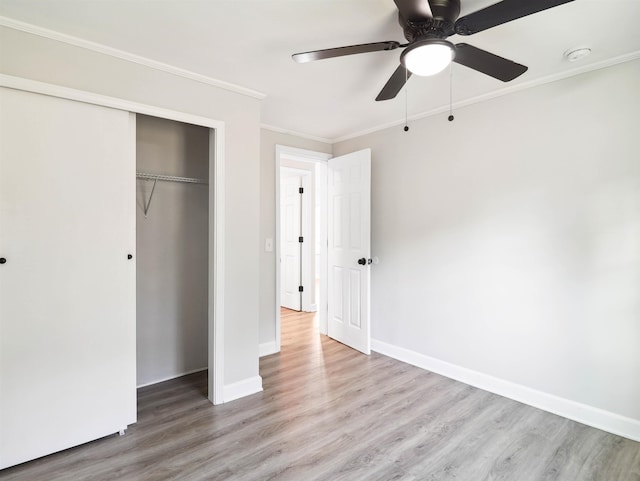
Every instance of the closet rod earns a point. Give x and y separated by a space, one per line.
170 178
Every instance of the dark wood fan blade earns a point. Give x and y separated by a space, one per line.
342 51
414 10
394 84
488 63
502 12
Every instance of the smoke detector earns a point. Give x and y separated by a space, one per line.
575 54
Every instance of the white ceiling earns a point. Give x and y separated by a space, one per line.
249 43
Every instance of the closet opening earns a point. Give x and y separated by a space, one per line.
172 246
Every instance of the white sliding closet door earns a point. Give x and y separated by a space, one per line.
67 288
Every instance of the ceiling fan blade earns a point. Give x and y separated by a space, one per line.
502 12
342 51
394 84
488 63
414 10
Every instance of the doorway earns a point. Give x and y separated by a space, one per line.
306 170
343 242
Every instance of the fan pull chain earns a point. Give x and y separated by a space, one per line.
451 117
406 102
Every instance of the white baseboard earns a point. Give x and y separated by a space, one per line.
267 348
582 413
242 388
174 376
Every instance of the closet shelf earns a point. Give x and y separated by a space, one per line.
165 178
170 178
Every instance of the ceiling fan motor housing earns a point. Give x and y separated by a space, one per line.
440 25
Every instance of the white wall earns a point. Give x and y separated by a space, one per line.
33 57
268 141
172 250
509 239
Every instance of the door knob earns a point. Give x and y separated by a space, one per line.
3 260
362 261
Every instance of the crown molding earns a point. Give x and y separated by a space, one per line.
96 47
497 93
130 57
297 134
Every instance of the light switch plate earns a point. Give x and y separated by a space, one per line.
268 245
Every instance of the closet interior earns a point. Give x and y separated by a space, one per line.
172 223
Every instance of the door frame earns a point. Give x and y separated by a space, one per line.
216 286
284 152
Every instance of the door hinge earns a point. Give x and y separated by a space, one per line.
301 190
300 289
300 239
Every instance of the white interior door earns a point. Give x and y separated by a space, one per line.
349 231
67 288
290 225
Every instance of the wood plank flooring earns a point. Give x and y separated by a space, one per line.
330 413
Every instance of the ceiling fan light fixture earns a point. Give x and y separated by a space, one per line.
428 57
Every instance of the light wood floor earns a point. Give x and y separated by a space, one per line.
330 413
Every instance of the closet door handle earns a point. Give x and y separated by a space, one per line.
3 260
129 256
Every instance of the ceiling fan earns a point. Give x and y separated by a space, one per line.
426 25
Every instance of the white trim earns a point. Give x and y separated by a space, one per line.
296 154
278 250
497 93
216 263
216 211
302 135
268 348
322 308
582 413
243 388
52 90
130 57
176 376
